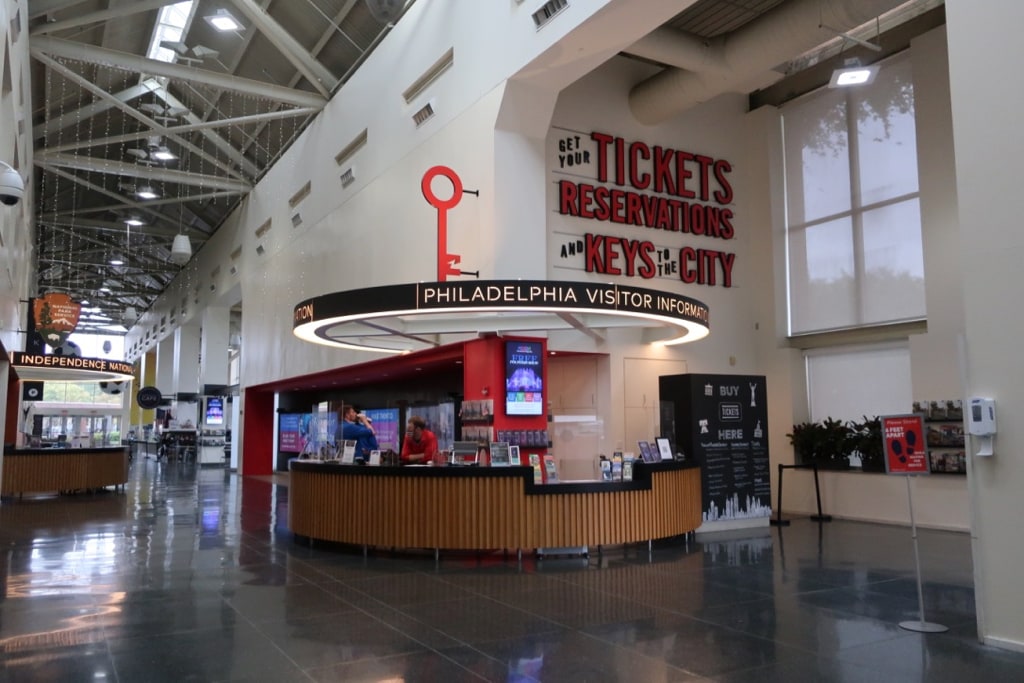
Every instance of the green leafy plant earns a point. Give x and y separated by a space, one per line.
866 440
826 444
830 443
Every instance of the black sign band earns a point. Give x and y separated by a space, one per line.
316 319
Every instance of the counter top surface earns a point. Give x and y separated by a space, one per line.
641 475
63 451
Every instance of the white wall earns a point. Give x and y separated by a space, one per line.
984 55
17 230
939 501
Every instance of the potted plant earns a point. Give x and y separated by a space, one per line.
866 439
826 443
806 439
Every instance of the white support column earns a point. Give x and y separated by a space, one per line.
186 357
214 345
165 366
4 371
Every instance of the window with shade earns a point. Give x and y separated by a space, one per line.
851 382
853 223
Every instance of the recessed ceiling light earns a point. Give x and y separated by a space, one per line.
163 154
105 290
223 20
146 192
116 262
852 74
134 221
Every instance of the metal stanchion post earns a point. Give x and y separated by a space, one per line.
817 494
779 521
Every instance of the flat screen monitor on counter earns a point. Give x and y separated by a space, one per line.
524 378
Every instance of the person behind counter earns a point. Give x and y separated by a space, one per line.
420 445
358 427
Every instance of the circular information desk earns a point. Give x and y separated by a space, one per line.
39 470
488 507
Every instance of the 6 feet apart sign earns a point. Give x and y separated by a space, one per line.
905 451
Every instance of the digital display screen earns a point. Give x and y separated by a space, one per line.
214 411
385 427
524 378
291 432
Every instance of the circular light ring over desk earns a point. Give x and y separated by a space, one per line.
409 317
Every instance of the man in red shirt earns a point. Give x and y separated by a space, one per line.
420 445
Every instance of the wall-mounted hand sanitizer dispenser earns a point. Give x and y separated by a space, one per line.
982 421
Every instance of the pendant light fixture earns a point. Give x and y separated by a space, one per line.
181 249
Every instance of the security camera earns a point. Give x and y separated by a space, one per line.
12 187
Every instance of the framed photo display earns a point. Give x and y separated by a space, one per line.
664 449
647 453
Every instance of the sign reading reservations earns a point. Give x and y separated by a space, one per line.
904 444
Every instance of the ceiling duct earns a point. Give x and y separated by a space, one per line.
728 63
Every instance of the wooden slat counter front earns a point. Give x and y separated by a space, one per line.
487 507
38 470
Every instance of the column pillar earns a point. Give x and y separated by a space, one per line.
186 371
214 346
165 366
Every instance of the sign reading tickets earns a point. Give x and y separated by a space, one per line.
56 317
904 444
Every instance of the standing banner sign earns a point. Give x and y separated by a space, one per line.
906 453
905 448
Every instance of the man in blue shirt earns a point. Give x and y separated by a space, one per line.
359 428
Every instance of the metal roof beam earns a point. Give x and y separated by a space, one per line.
123 60
124 203
186 128
219 142
155 127
166 175
71 118
122 10
37 8
315 72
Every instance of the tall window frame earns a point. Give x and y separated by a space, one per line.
854 253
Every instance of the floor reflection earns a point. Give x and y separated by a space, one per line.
191 575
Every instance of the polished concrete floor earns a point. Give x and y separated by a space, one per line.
191 575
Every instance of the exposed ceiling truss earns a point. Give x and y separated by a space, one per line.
199 131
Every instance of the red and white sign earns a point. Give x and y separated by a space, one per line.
904 444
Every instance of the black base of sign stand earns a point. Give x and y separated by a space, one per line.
778 521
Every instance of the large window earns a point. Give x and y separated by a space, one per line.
851 382
853 223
